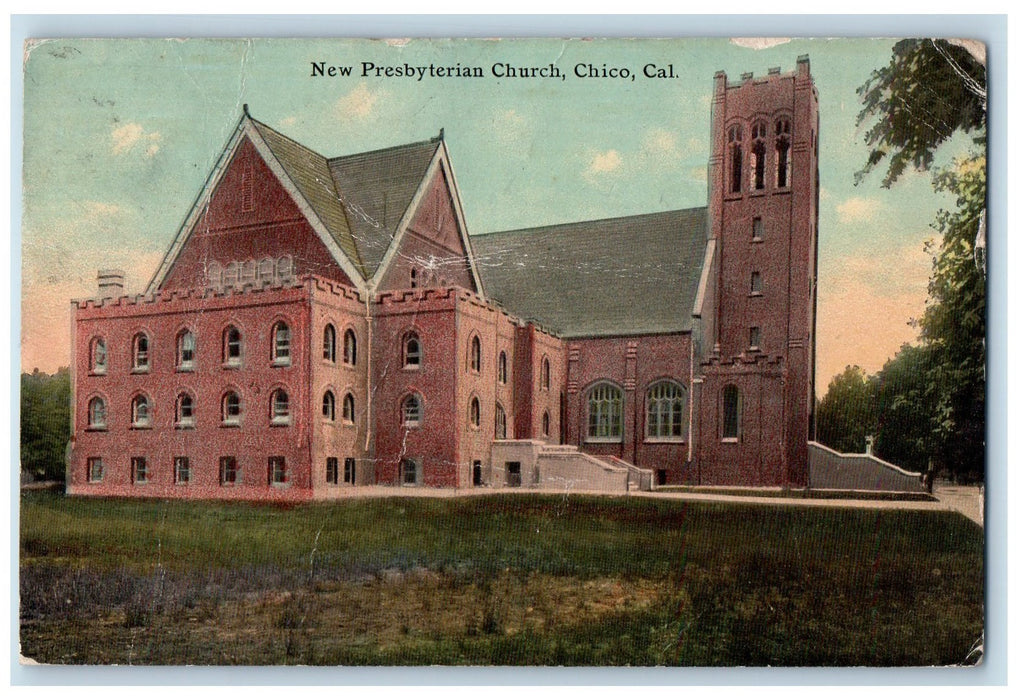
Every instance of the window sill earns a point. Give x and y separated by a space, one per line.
184 426
96 429
411 368
411 426
756 294
141 427
350 365
181 483
279 422
185 368
229 424
97 373
348 424
280 363
754 348
603 440
665 440
758 193
139 370
756 240
95 481
236 364
279 485
729 441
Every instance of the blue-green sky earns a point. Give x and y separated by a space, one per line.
121 134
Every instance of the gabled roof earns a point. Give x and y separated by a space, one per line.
375 189
631 275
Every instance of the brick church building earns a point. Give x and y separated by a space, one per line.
323 323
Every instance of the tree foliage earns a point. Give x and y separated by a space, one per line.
45 423
845 415
930 90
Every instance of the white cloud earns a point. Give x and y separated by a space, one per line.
759 42
132 134
358 103
857 209
288 121
607 162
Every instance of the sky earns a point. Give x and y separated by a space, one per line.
120 135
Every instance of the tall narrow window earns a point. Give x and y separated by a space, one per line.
755 283
475 413
97 414
411 351
231 408
98 356
329 406
139 470
214 273
731 413
229 473
411 411
348 408
247 187
413 278
475 354
329 343
409 472
280 407
277 471
232 347
545 424
758 228
503 368
141 416
759 165
231 275
782 148
604 413
248 272
181 470
754 338
185 351
284 268
545 373
332 470
500 422
665 410
140 350
95 469
280 344
350 347
184 417
350 471
735 158
266 270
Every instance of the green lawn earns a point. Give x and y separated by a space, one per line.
505 579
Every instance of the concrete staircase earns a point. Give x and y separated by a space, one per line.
639 479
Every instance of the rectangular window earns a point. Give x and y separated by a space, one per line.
349 471
277 470
409 470
755 283
754 337
95 469
758 228
332 470
182 470
228 472
731 404
139 470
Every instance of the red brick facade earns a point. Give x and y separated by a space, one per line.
284 351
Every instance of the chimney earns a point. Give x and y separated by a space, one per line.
111 284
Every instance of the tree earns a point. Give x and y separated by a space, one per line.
845 415
45 423
904 397
931 89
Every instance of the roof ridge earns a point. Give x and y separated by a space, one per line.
583 222
433 140
280 134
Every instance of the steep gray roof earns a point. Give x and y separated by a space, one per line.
631 275
361 197
377 188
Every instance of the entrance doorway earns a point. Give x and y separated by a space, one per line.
512 474
477 474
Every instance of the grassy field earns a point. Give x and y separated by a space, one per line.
505 579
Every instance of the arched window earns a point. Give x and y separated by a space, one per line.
248 272
411 351
97 356
475 354
604 412
184 411
266 269
475 413
545 373
503 368
759 165
666 405
329 343
545 424
782 149
329 406
140 353
411 411
141 413
731 408
350 347
280 344
215 274
500 422
232 348
231 408
279 407
284 268
185 350
735 157
97 414
231 275
348 408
